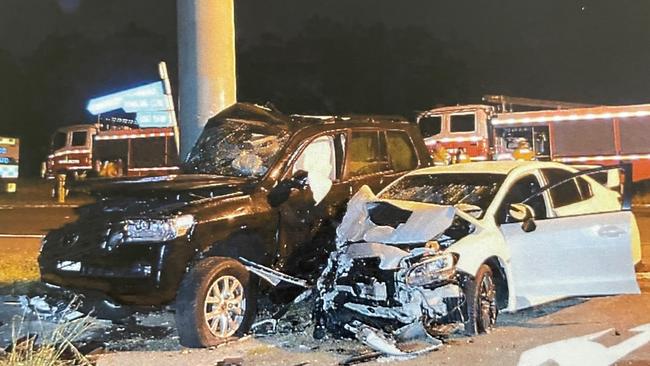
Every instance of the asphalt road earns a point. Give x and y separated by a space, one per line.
596 331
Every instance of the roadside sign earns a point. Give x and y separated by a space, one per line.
150 102
155 119
147 104
117 100
9 157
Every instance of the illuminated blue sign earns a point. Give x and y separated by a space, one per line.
152 106
4 160
118 100
147 104
155 119
3 150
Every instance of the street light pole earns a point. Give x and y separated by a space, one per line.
206 61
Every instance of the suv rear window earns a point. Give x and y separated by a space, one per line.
430 126
461 123
566 193
400 150
367 153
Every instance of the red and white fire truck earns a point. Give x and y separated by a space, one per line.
598 135
111 148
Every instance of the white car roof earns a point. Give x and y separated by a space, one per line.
494 167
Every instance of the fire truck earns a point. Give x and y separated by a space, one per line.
565 132
114 147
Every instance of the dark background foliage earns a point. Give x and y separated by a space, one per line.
339 56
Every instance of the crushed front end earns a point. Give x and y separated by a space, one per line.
392 278
399 291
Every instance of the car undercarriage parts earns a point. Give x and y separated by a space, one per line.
376 340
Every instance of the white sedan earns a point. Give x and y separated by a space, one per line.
448 247
523 233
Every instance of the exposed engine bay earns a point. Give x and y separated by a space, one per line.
390 278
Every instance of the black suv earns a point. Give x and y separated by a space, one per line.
258 184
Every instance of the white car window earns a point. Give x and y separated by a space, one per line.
519 191
578 196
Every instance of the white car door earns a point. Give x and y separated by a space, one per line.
577 255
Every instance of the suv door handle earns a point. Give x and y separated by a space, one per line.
610 231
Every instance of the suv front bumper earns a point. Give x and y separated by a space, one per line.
134 274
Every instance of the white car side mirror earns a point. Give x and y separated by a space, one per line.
523 213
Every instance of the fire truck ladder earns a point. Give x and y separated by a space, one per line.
508 102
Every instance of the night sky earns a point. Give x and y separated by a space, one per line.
336 56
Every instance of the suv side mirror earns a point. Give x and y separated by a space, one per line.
281 192
523 213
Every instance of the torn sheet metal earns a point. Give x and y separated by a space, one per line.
272 276
58 312
355 224
424 223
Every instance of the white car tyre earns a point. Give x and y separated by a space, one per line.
481 299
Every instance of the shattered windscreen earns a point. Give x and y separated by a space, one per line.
476 189
236 148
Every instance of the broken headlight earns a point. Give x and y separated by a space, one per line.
148 230
431 269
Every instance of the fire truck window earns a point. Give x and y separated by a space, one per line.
147 152
79 138
585 188
367 153
564 194
58 140
430 126
400 149
461 123
518 192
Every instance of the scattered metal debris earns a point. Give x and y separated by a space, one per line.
61 311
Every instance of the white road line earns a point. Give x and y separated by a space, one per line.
38 236
11 207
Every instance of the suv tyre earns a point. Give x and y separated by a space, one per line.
215 302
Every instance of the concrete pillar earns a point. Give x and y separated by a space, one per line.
206 64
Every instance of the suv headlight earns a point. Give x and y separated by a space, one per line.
148 230
431 269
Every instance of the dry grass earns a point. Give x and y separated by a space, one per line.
18 266
38 191
57 349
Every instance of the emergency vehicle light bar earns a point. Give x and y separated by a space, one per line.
571 117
